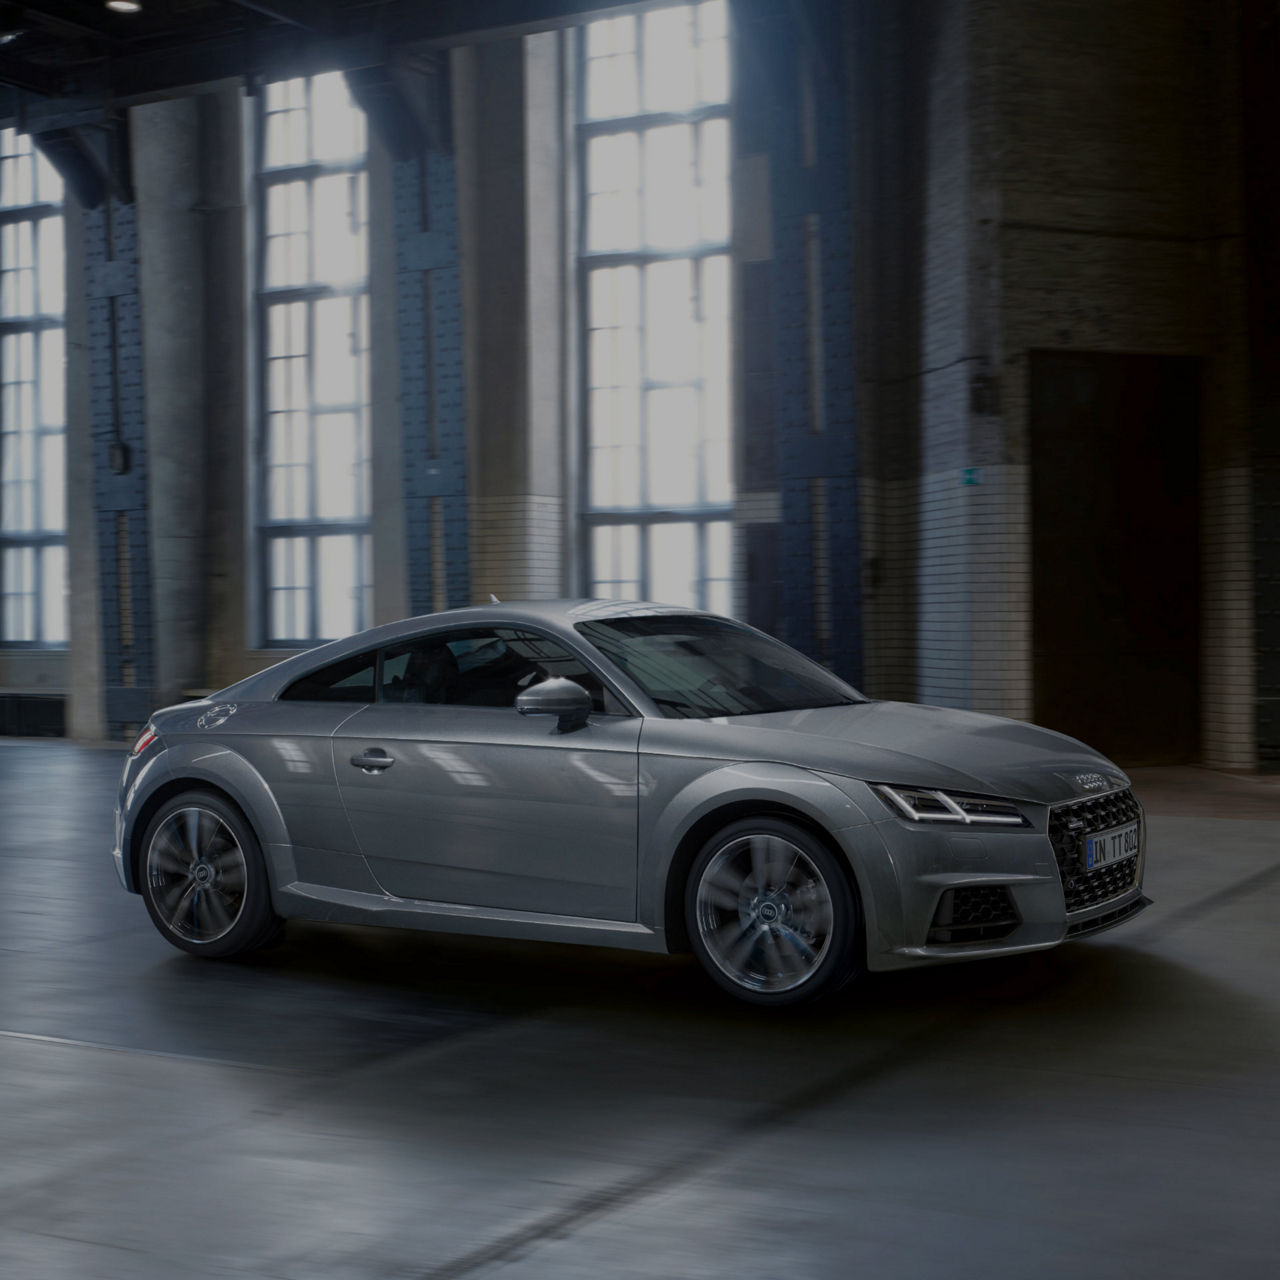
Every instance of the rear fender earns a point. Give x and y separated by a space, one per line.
220 769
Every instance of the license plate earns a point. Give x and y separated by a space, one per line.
1111 846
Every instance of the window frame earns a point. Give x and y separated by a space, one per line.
38 213
266 530
574 647
643 516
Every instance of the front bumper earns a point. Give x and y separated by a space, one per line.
117 851
962 893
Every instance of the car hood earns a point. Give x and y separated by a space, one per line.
914 745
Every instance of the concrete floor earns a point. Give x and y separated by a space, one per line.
361 1103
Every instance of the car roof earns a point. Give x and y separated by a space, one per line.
554 615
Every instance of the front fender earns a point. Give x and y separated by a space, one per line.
677 794
224 770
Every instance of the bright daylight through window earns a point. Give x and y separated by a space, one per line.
654 133
313 325
33 552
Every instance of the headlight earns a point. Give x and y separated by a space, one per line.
920 804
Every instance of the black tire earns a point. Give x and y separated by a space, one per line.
772 915
203 878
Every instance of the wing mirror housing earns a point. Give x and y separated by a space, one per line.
565 699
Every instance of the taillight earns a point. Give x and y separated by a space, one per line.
145 739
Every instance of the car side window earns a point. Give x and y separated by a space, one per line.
350 680
483 667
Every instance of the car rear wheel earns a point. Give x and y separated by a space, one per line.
771 914
203 878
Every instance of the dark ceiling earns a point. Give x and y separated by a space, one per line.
60 55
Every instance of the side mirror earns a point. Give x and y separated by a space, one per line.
570 702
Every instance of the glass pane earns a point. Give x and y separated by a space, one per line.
612 88
52 267
286 141
284 95
337 124
713 176
713 20
287 384
48 182
289 581
19 406
53 461
615 358
613 180
670 330
339 246
615 297
720 597
287 210
672 419
19 583
669 80
670 203
338 586
287 329
611 35
615 561
53 370
713 71
53 595
615 476
720 549
615 417
335 364
673 564
337 466
716 375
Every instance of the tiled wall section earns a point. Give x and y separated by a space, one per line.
890 510
517 548
1227 681
944 618
1000 601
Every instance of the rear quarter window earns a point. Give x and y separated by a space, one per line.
349 680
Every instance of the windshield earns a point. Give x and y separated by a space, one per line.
694 666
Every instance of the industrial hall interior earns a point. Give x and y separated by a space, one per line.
934 339
783 495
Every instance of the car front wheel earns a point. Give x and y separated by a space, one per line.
203 878
771 914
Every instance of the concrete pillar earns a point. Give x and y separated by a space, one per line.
228 333
387 518
86 709
510 178
166 164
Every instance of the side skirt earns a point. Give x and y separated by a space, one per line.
349 906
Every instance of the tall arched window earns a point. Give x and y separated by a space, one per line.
313 329
33 519
654 262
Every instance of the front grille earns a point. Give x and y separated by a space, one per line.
1069 824
974 913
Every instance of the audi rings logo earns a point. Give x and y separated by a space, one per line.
216 715
1085 781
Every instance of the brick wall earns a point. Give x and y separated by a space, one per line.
1058 174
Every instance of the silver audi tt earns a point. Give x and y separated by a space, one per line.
627 775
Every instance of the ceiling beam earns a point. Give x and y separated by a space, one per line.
181 58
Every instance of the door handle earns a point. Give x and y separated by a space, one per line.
373 760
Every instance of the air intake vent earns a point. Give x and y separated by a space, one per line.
974 913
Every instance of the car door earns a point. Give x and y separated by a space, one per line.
289 744
455 797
